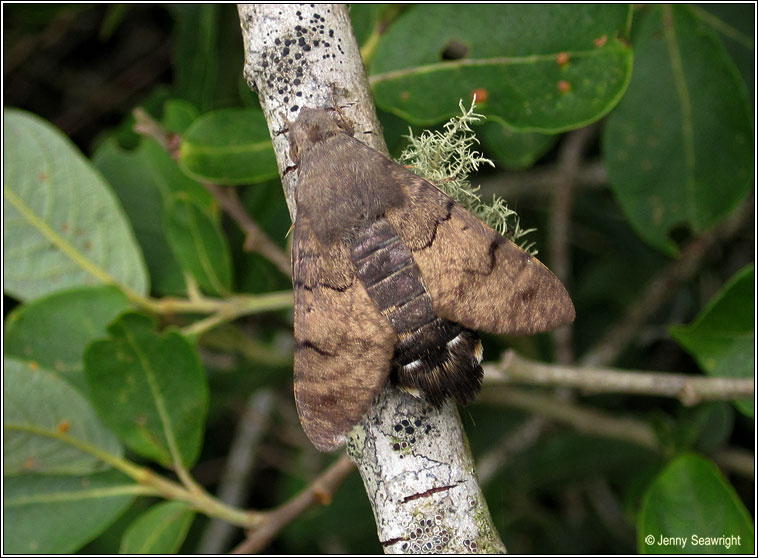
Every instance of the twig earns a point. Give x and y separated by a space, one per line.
513 442
236 476
582 418
599 423
256 240
736 460
539 181
688 389
319 492
659 290
560 225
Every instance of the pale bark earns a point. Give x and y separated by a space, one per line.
414 459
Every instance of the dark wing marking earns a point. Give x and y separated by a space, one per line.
344 345
475 276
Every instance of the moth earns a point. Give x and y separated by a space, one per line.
391 280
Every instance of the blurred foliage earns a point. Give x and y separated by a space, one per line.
676 84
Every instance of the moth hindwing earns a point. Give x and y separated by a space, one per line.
391 278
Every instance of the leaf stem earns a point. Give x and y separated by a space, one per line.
154 484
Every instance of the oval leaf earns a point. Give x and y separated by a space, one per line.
160 530
722 337
514 150
548 68
46 422
199 245
679 147
53 330
63 227
146 180
229 146
49 514
691 509
150 389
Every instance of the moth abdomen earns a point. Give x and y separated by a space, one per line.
450 370
434 355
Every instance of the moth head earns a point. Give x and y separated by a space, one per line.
312 127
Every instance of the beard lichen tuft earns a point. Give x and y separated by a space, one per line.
446 158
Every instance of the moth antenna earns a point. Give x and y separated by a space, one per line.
344 122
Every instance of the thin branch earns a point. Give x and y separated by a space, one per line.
736 460
688 389
579 417
319 492
236 476
538 181
256 239
512 443
570 157
591 421
659 289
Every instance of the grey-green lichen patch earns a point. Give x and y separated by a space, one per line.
356 443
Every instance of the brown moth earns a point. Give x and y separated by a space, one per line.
391 277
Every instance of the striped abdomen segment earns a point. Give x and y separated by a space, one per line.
432 354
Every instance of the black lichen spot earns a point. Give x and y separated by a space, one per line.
396 447
294 108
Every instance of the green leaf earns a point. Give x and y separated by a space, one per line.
514 150
679 146
548 68
178 115
229 146
49 514
705 427
196 58
63 227
199 244
722 337
150 389
53 330
160 530
46 422
146 180
735 25
691 509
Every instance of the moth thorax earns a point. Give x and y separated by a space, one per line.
439 357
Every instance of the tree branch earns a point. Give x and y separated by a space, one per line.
659 289
236 477
574 145
319 492
689 389
414 459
